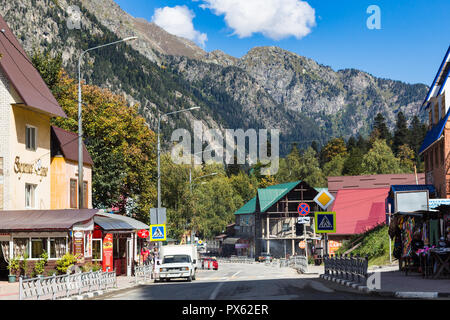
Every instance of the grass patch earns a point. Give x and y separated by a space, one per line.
375 244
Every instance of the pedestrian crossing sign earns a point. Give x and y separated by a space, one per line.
325 222
158 232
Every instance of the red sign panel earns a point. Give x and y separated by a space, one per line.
108 252
143 233
303 209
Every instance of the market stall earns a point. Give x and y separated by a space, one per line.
422 241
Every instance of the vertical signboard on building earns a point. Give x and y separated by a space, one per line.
78 248
107 252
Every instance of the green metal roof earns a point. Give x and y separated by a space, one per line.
270 195
247 208
321 189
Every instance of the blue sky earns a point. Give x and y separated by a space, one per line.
410 45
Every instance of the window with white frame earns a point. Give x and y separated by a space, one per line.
30 195
38 246
30 138
56 247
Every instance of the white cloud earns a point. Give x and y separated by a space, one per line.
275 19
178 21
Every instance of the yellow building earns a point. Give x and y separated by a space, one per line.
28 226
64 171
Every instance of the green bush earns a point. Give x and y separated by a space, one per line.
91 267
39 266
25 265
13 266
65 263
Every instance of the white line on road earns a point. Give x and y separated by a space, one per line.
216 291
234 275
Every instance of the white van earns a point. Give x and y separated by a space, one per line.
177 261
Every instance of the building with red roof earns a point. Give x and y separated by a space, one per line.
358 210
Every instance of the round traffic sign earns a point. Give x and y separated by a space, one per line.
303 209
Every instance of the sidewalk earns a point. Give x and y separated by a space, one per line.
394 283
10 291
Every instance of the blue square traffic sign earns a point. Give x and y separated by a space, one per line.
158 232
325 222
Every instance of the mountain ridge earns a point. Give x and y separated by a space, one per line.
269 87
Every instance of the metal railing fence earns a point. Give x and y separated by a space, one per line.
64 286
144 272
347 267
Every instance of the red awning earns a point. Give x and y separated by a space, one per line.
43 220
358 210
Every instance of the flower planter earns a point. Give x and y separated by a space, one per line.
11 278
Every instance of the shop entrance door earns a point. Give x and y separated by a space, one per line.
129 256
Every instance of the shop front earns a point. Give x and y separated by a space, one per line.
27 234
113 245
422 241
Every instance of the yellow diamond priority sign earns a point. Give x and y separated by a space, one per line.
324 199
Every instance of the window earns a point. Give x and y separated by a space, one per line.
97 249
20 247
85 194
73 194
30 195
30 138
38 246
58 247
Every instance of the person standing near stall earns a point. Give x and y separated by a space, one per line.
145 255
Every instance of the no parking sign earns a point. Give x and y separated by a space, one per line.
303 209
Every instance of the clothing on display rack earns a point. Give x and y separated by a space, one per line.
434 232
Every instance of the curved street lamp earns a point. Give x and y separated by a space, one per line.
80 122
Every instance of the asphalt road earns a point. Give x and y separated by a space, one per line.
238 282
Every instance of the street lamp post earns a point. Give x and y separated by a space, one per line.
159 154
80 123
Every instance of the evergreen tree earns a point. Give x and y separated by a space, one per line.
401 134
381 128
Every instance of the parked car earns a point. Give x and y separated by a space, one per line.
265 257
210 263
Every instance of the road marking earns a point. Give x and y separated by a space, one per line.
234 275
216 291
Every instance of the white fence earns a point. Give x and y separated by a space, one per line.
64 286
144 272
296 262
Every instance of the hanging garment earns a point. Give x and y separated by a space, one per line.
408 229
434 232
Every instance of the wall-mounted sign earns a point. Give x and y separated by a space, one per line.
78 246
30 168
143 234
107 252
